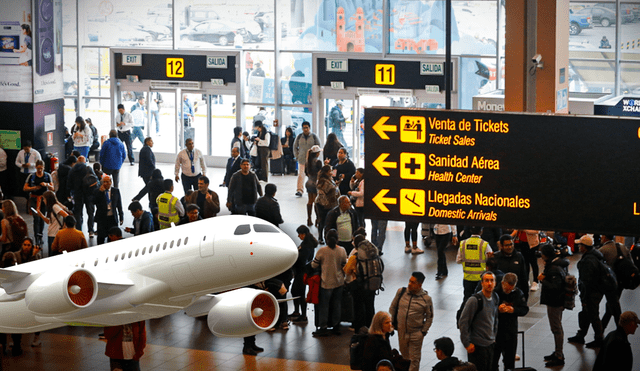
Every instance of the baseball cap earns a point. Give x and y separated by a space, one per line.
316 148
586 240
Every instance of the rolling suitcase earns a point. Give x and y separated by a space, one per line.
523 368
276 167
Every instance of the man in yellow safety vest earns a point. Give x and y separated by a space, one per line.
170 209
473 255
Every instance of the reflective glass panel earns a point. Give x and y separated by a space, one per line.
296 78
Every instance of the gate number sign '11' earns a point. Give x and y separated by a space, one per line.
566 173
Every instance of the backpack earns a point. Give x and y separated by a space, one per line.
273 141
478 296
356 350
369 267
570 290
626 271
608 281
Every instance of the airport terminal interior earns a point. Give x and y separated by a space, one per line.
272 48
179 342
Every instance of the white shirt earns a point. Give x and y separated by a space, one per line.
33 157
183 161
445 228
85 139
126 118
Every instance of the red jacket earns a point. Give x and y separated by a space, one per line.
313 282
113 335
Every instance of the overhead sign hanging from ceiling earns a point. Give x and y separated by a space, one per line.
176 67
504 170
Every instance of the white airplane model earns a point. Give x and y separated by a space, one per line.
154 275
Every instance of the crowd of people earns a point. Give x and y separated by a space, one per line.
339 269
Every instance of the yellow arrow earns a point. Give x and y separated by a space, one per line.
380 200
380 164
381 128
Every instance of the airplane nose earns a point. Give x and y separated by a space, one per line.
286 250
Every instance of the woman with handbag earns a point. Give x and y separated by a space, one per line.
327 198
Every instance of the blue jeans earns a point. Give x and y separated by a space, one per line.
155 114
137 133
84 151
330 300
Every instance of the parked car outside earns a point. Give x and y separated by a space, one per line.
605 16
578 22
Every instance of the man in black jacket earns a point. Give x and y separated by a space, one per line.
616 353
267 206
233 165
512 261
244 189
142 220
74 186
147 162
343 219
108 208
590 293
552 280
512 306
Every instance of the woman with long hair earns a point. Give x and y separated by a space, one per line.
377 346
55 212
331 259
287 151
14 228
262 143
311 169
331 148
82 137
305 256
326 199
357 193
26 47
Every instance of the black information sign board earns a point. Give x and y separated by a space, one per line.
547 172
174 67
370 73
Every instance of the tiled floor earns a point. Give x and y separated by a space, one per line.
178 342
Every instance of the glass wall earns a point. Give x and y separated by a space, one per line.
296 28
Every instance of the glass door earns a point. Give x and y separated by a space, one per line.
162 118
222 110
339 121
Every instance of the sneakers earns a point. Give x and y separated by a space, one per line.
298 194
576 339
407 249
597 343
518 357
92 234
416 251
36 341
534 286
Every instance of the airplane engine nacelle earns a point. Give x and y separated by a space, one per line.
243 312
61 292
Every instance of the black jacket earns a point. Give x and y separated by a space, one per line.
376 348
553 290
515 264
332 218
147 162
146 224
233 165
589 270
76 175
155 188
267 208
63 177
447 364
100 201
615 353
508 322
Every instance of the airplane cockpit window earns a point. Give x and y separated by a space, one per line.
242 229
265 228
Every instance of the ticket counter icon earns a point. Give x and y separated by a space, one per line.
412 202
413 129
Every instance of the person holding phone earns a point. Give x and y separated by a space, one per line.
37 184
